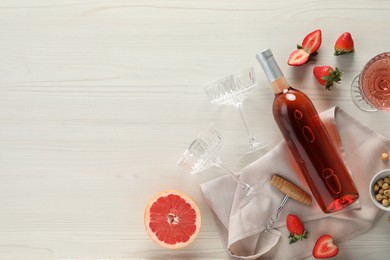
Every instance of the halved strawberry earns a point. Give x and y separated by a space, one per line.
325 248
312 42
344 44
298 57
326 75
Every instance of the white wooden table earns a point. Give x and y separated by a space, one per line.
98 100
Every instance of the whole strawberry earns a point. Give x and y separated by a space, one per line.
326 75
344 44
296 228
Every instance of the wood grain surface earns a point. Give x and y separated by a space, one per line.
98 100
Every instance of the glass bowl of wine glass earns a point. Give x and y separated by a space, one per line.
371 88
233 90
203 153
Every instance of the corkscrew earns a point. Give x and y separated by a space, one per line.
291 191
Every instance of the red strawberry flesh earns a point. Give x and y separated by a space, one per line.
294 224
312 42
298 57
325 248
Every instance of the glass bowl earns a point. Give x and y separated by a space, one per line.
378 176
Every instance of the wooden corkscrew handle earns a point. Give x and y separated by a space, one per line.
291 190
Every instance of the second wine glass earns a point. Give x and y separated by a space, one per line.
232 90
203 153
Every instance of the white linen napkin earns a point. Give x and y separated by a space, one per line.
361 149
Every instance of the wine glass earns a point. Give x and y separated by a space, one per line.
371 88
232 90
203 153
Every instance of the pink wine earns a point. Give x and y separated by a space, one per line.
374 82
309 142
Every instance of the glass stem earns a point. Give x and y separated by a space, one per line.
243 184
251 138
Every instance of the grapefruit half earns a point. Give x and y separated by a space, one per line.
172 219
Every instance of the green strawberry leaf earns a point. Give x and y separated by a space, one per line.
342 52
294 237
334 76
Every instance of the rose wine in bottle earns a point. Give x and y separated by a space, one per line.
310 144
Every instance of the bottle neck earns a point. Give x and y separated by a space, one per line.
280 84
272 71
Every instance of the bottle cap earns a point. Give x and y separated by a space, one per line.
269 65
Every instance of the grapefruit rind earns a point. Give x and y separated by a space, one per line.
147 219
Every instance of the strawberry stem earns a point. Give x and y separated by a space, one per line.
294 237
334 76
342 52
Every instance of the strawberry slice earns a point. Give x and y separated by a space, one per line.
298 58
344 44
312 42
325 248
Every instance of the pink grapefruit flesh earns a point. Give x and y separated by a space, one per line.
172 219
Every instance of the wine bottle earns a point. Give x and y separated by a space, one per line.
309 142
